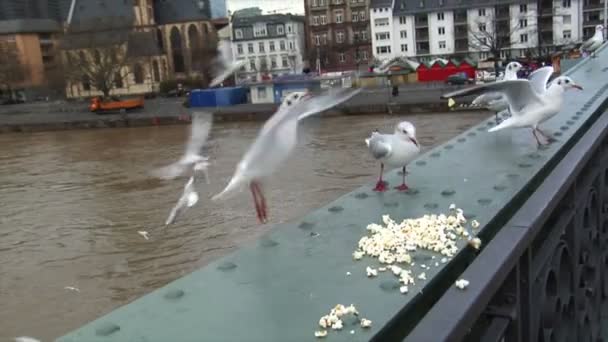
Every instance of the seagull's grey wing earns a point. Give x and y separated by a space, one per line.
519 93
378 146
486 98
587 44
322 103
225 64
539 79
201 125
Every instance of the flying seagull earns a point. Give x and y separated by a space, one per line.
276 141
531 102
224 64
395 150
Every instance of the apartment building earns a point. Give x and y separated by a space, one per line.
477 28
273 45
338 34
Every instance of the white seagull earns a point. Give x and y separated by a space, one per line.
395 150
201 125
495 101
531 102
275 142
188 199
224 64
594 42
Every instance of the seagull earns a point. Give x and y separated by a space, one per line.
201 125
224 64
594 42
275 142
143 233
531 102
494 101
71 288
397 149
188 199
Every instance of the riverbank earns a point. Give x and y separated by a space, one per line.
171 112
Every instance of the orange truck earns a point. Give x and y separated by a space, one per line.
97 105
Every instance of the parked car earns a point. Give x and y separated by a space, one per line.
459 78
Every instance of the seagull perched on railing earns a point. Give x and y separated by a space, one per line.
531 102
397 149
495 101
594 42
275 142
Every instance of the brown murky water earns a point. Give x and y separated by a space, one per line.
71 204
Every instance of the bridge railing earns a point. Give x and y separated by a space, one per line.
540 268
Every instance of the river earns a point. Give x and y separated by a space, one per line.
73 201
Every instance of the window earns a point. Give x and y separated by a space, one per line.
364 54
403 47
567 34
440 16
238 33
259 30
262 92
315 3
338 17
273 62
441 30
341 57
523 38
566 3
284 62
523 22
567 19
442 44
363 35
239 48
383 49
340 37
250 47
482 12
381 22
323 19
317 40
252 65
523 8
355 17
482 27
402 20
282 45
271 46
315 20
261 46
280 29
383 36
362 15
403 34
288 28
291 43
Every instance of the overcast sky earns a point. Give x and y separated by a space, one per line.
281 6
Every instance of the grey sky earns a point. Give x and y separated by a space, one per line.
281 6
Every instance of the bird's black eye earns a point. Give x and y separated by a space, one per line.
559 82
295 96
510 67
405 131
567 81
289 103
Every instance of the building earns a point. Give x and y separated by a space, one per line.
218 9
474 28
273 45
338 34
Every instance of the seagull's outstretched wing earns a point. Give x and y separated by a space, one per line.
225 64
485 99
378 145
540 78
587 44
519 93
189 198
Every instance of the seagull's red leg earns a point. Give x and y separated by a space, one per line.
260 201
538 141
403 186
381 185
256 200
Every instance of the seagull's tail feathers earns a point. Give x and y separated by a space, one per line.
505 124
235 185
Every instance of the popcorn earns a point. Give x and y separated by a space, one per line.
396 270
403 289
371 272
338 325
422 276
461 283
474 224
321 333
475 243
365 323
357 255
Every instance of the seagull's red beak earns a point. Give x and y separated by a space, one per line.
577 86
414 141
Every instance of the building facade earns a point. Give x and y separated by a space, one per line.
338 34
473 28
273 45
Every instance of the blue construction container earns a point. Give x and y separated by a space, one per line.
217 97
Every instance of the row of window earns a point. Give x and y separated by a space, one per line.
338 18
263 64
321 39
262 47
259 30
322 3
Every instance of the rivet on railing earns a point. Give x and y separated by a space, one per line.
431 206
306 225
267 243
361 195
335 209
484 201
106 329
226 266
448 193
174 294
499 187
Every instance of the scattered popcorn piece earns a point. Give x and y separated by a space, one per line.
381 269
351 309
423 266
433 257
422 276
475 243
352 332
371 272
357 255
321 333
365 323
452 206
323 322
475 224
444 260
396 270
403 289
461 283
347 273
337 326
436 264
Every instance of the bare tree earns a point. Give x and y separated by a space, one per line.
494 33
318 54
12 71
